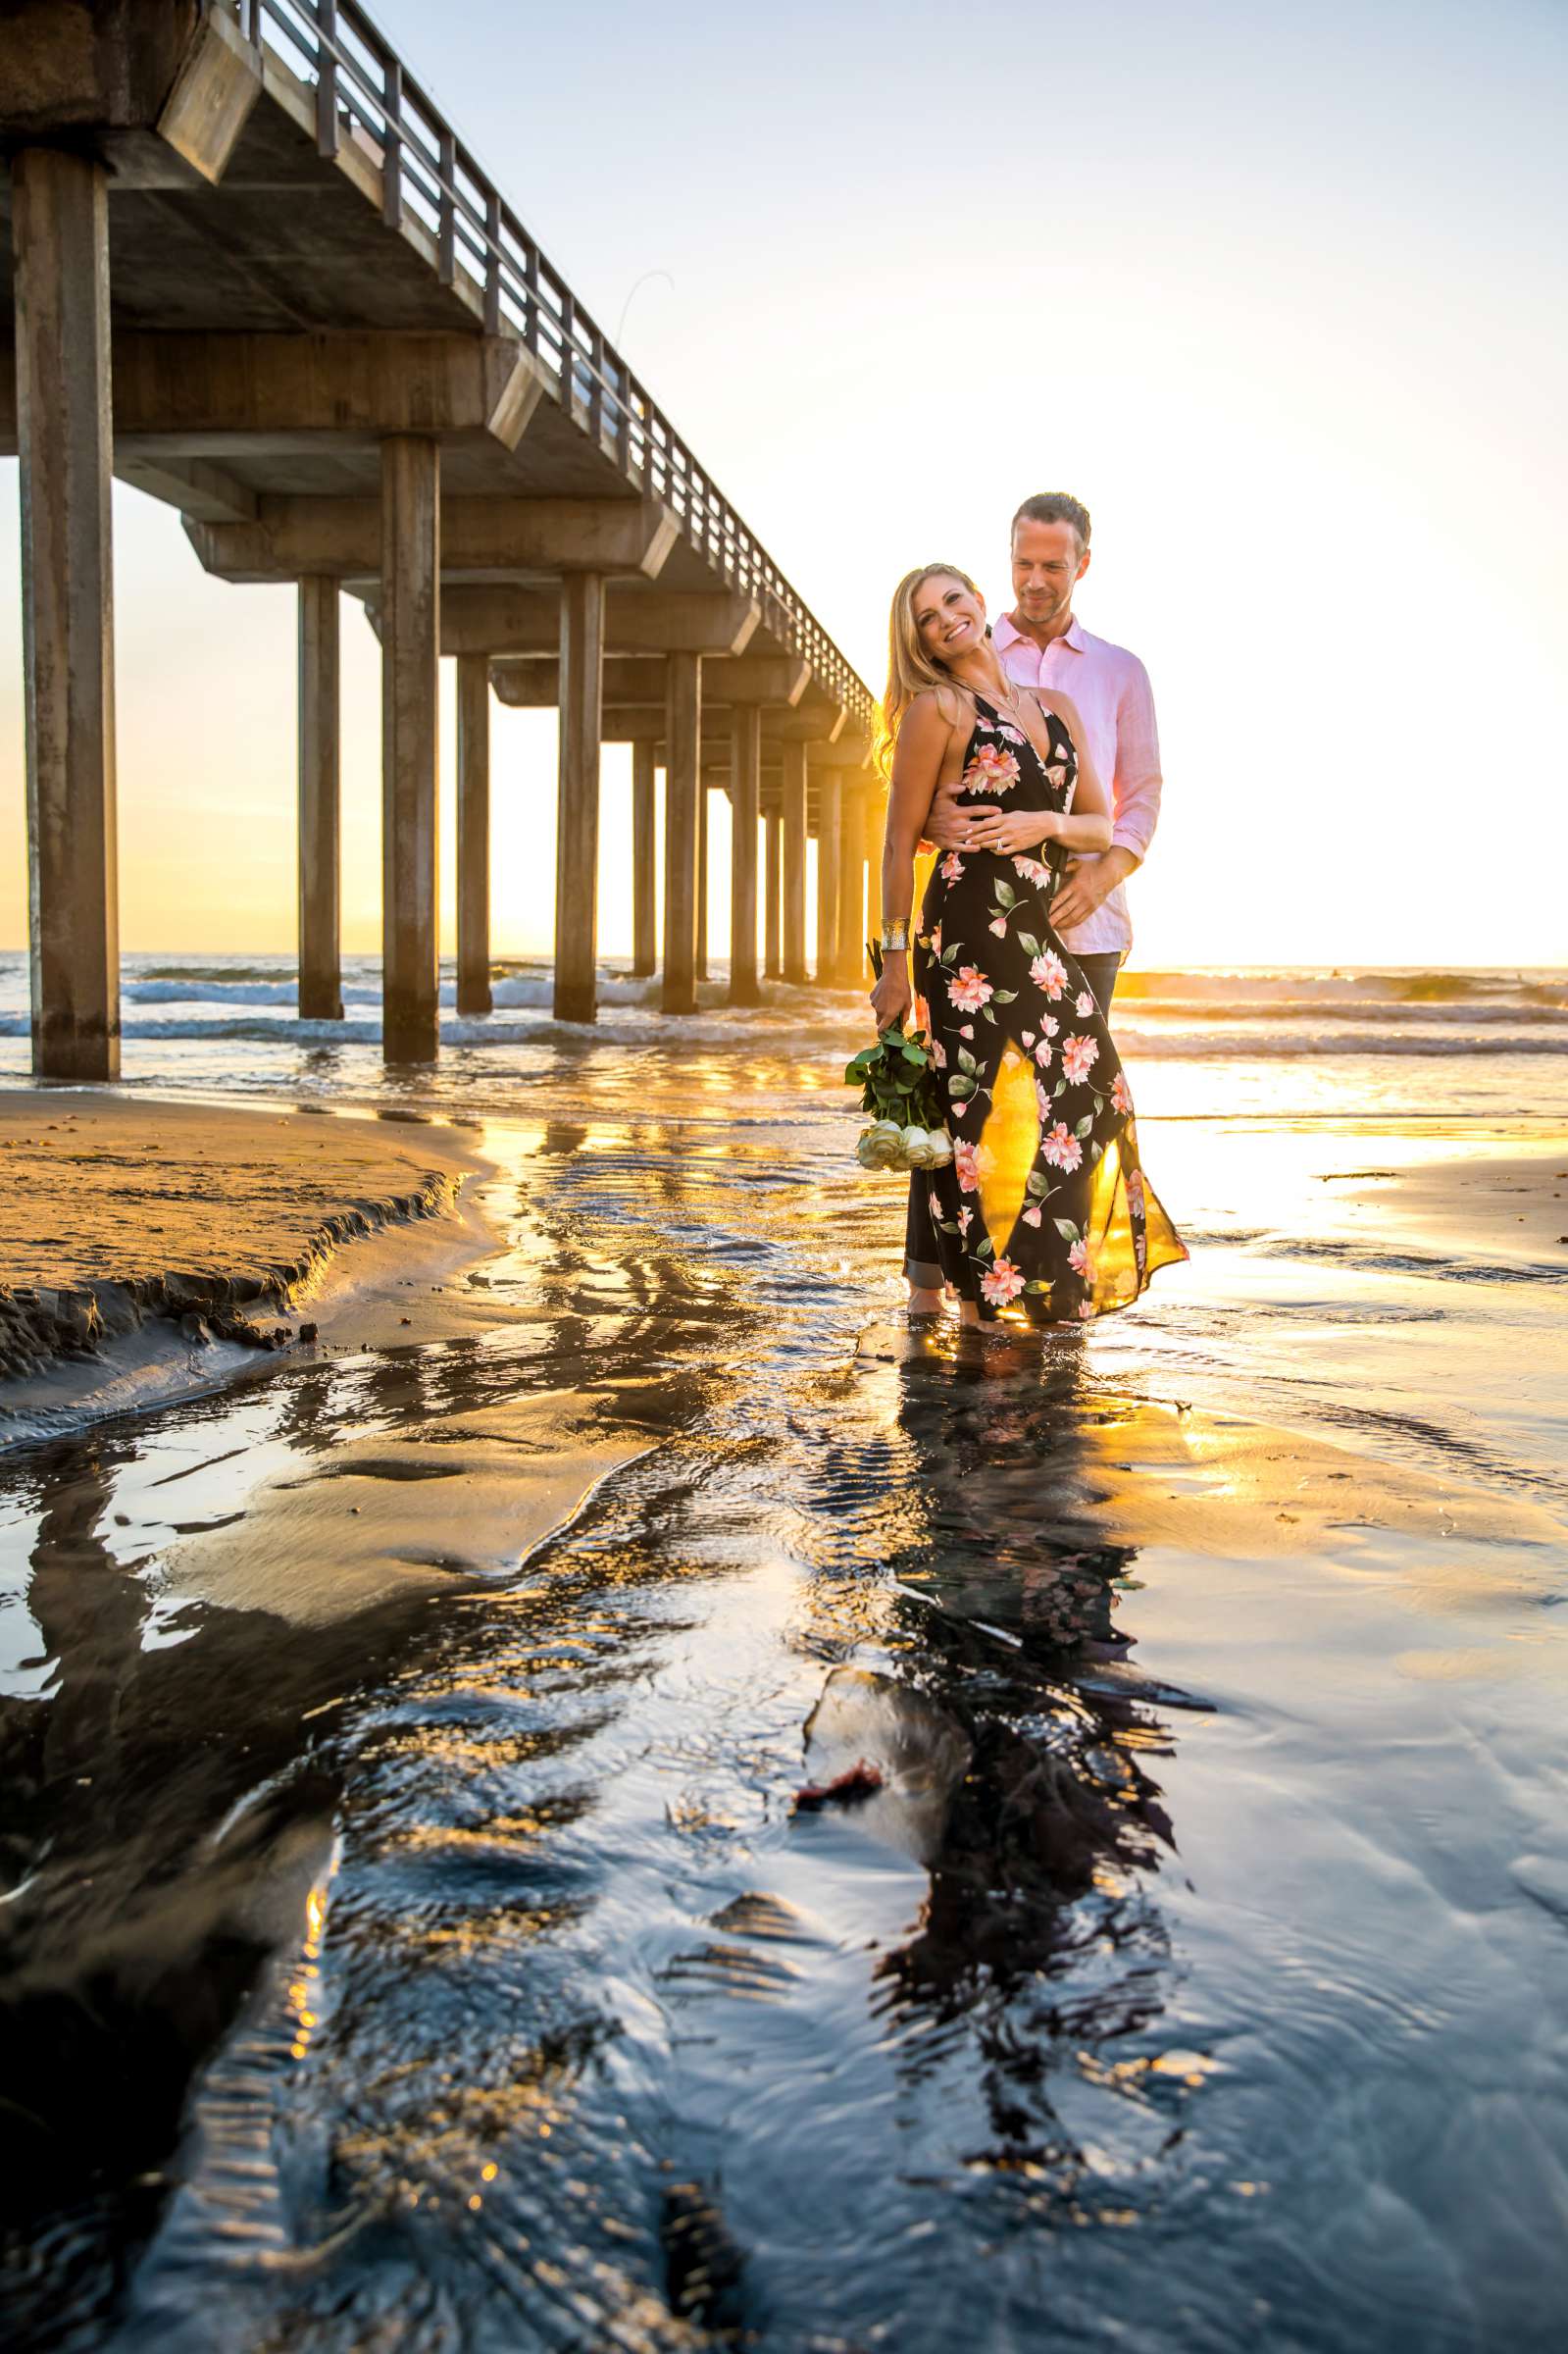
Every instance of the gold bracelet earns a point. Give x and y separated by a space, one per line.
895 933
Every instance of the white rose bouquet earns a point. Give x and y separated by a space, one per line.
897 1082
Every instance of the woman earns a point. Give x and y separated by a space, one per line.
1044 1203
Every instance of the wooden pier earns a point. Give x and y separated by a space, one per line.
256 275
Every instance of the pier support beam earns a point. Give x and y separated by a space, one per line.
644 861
850 958
829 793
61 232
702 879
683 793
321 973
410 745
745 809
876 810
577 841
771 955
793 880
473 833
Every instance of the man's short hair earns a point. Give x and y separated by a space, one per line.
1054 506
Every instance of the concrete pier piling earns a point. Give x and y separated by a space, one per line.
577 841
473 833
320 976
874 799
829 814
745 806
645 859
60 225
411 467
702 880
792 890
772 887
849 960
682 797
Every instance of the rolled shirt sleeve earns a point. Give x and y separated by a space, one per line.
1136 785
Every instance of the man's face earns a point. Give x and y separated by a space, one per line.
1047 566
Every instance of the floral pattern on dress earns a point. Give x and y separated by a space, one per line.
1045 1208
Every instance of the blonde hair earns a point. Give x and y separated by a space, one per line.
911 671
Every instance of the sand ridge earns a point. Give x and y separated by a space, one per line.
119 1210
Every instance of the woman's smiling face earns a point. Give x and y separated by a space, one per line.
949 618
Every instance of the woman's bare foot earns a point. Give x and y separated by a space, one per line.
924 1303
969 1313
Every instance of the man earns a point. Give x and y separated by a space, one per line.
1043 644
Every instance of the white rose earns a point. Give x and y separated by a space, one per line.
916 1148
941 1147
881 1146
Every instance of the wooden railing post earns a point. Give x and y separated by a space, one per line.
326 77
392 144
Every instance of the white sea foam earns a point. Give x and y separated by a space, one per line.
1422 1038
206 987
1259 1044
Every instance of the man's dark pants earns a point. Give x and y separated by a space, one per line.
1100 973
920 1235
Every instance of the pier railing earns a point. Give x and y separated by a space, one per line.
430 178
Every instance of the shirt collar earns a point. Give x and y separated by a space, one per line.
1004 634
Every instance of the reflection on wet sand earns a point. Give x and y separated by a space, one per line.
462 1972
160 1846
1039 1931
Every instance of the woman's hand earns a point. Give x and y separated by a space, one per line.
1008 831
893 996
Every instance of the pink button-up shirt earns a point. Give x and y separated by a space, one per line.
1116 703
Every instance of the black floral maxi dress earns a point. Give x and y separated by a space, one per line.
1044 1207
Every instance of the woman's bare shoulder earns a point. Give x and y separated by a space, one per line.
934 707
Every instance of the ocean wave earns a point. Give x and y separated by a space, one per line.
202 986
792 1030
1198 995
1541 1013
1266 1046
1374 991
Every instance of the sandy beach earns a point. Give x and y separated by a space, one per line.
405 1740
151 1249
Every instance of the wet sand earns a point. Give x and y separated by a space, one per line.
413 1934
106 1189
150 1248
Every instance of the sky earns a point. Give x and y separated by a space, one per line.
1279 292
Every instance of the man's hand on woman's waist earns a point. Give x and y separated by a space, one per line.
1087 885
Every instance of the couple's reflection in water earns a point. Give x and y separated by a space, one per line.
1041 1929
470 1758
